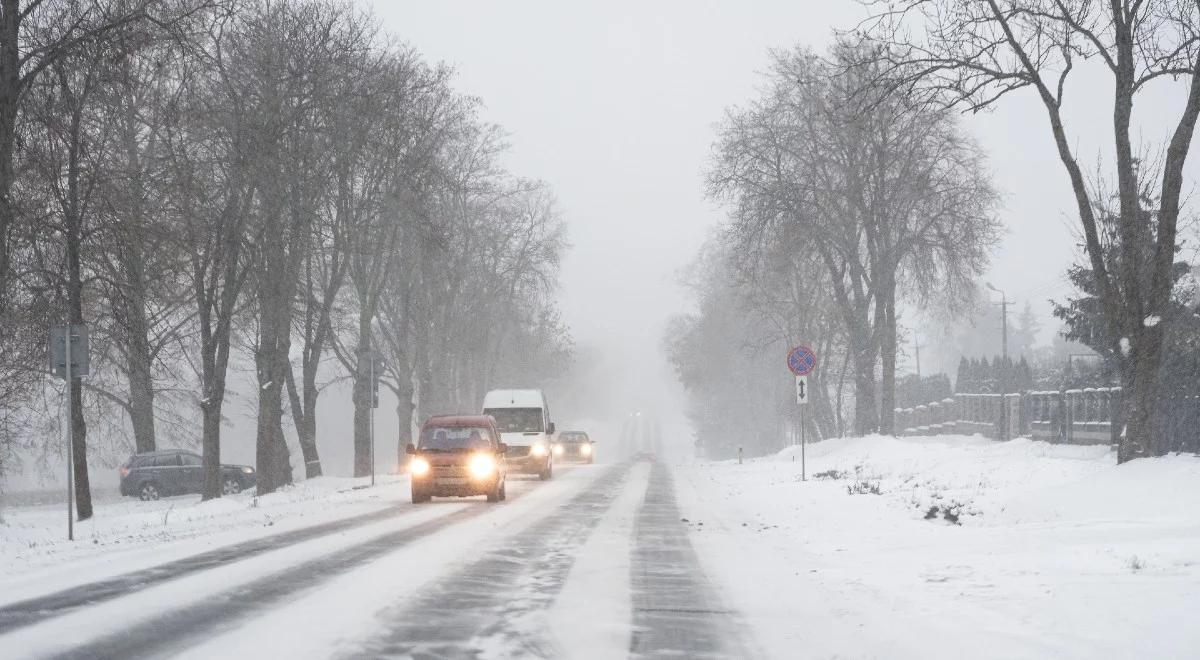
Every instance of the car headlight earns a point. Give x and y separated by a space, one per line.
482 466
248 470
538 450
585 449
418 467
558 450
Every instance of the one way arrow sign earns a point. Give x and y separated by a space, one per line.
801 390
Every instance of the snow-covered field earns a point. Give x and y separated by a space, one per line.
952 547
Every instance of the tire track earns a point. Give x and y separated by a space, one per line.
35 610
676 613
495 604
181 627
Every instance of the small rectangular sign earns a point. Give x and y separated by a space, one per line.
802 390
80 365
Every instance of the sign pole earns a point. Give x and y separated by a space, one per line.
803 471
802 361
373 418
70 443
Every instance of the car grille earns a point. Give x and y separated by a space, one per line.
517 451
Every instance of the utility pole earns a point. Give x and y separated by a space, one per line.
917 355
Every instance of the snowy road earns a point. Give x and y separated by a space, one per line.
596 563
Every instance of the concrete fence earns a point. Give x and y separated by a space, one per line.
1070 416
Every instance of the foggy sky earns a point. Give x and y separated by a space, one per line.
614 104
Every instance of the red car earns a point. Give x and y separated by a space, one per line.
458 456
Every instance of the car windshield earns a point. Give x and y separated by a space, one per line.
573 437
517 420
454 438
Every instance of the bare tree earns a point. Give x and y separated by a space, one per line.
972 54
880 184
36 34
209 146
421 109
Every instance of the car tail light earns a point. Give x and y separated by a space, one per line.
124 471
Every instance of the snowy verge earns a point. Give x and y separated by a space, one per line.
954 546
127 535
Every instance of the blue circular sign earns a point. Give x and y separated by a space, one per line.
801 360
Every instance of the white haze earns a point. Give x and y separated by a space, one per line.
614 104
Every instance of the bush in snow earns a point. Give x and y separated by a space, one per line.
863 488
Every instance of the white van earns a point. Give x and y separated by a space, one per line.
524 422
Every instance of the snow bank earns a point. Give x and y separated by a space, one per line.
955 546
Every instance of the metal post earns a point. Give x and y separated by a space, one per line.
372 402
803 473
70 444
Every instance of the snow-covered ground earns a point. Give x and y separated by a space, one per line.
127 534
952 546
943 547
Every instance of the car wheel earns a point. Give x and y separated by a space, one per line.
149 491
504 490
418 497
545 475
494 495
231 486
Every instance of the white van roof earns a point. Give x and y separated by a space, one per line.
514 399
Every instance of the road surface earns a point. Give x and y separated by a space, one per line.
595 563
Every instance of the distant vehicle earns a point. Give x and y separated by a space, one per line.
177 472
458 456
574 446
524 422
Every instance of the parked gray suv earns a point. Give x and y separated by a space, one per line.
177 472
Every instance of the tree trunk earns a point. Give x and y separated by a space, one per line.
73 235
130 301
866 411
10 82
210 409
304 409
137 352
141 403
1140 397
271 363
841 389
887 350
405 409
362 399
83 491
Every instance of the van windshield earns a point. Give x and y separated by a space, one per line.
440 438
517 420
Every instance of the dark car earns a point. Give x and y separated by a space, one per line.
177 472
575 446
458 456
